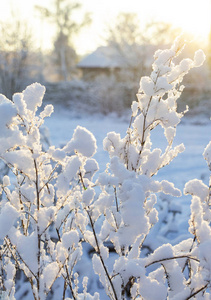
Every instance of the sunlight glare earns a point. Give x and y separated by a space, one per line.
192 16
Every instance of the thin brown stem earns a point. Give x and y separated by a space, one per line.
82 181
67 278
101 258
38 228
191 248
50 178
171 258
32 288
116 200
64 290
195 293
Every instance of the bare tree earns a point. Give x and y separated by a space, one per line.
126 37
62 16
130 40
160 33
134 46
15 45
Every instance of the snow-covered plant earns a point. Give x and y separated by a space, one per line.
199 226
129 188
35 207
52 206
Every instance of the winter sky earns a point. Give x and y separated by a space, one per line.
192 15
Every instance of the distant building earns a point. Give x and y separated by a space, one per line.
103 61
108 61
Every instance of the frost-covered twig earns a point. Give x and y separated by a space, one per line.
170 258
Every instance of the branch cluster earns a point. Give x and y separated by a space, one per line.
51 206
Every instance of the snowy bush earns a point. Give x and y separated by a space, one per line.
106 95
102 95
54 203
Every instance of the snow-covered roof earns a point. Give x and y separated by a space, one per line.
108 57
103 57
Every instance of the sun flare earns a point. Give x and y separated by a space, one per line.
193 17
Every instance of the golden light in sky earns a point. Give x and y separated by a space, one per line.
193 16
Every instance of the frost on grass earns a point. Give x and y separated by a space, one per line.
53 207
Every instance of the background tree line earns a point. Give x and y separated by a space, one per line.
21 63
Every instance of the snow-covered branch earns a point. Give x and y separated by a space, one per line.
53 206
